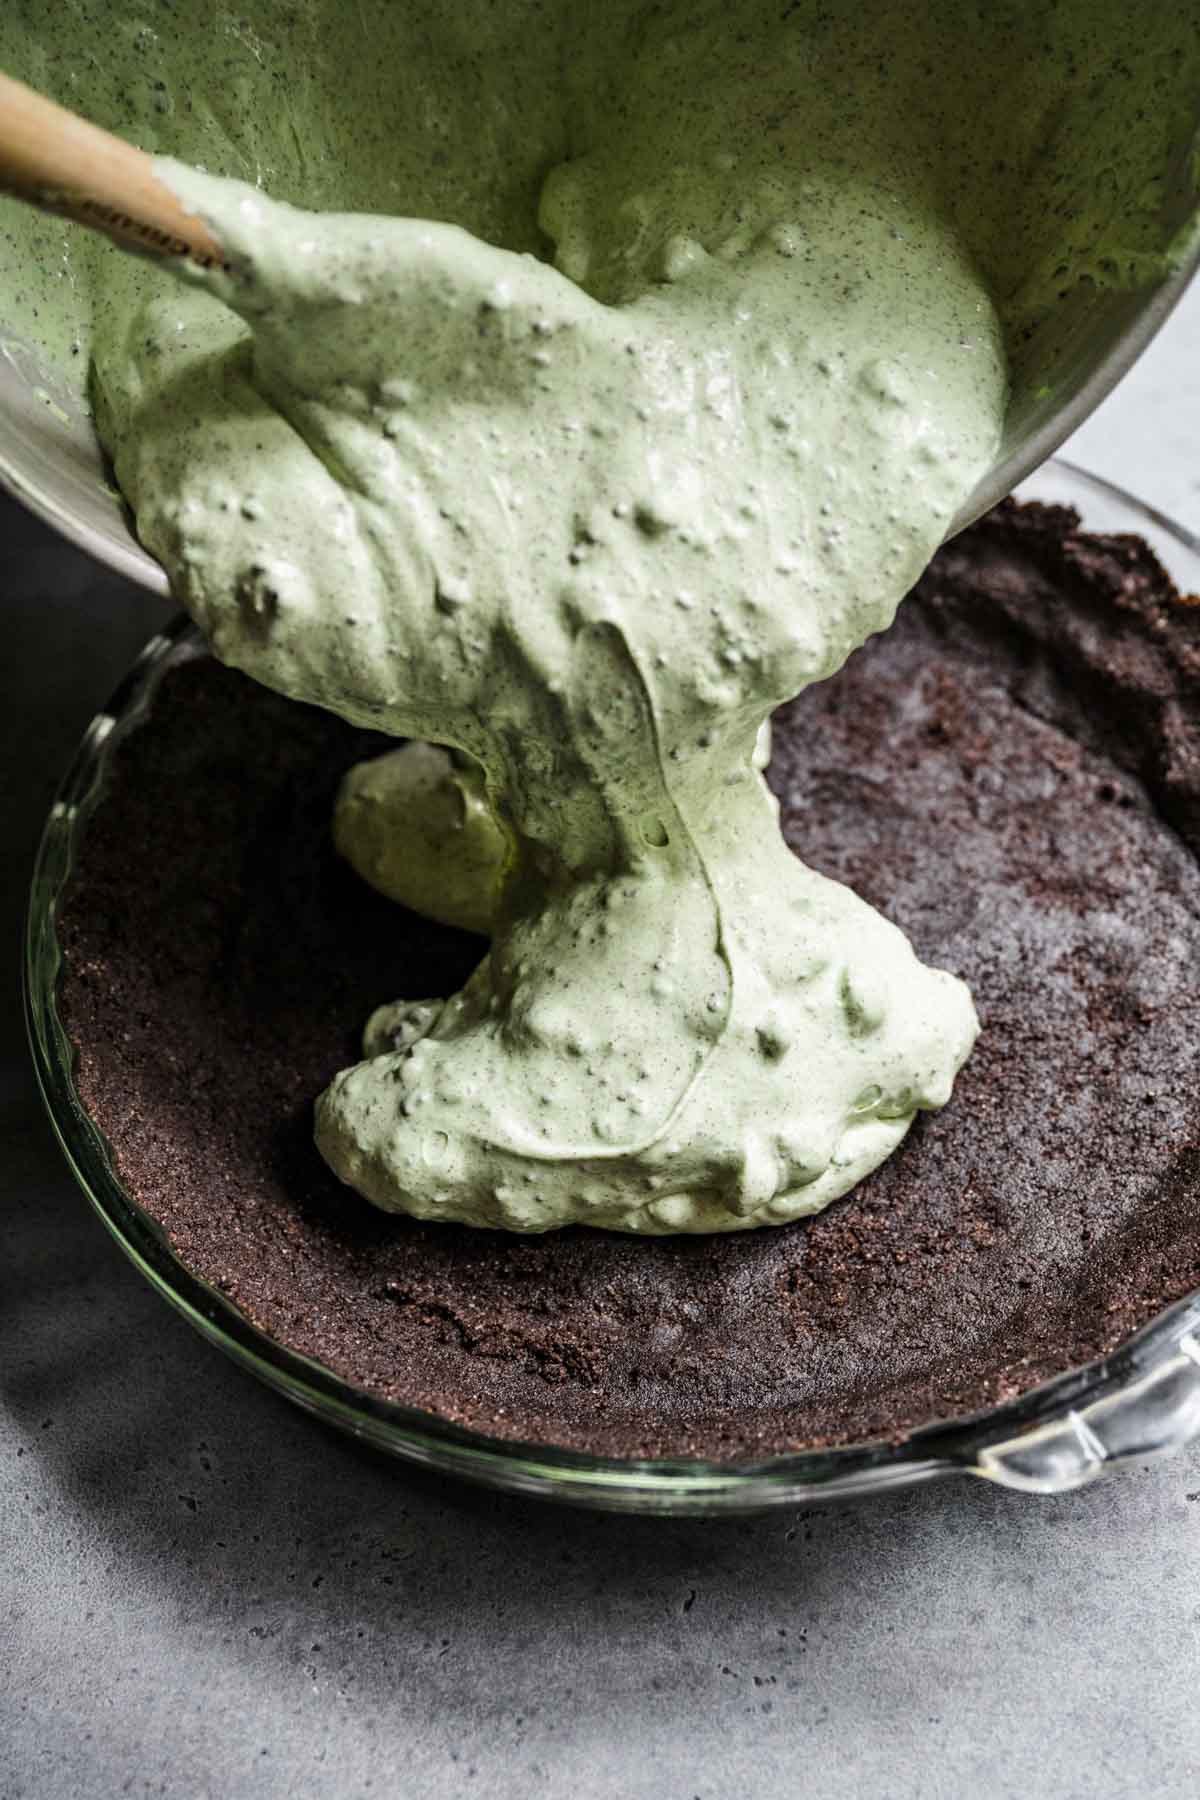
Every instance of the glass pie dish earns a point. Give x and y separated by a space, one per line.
1141 1399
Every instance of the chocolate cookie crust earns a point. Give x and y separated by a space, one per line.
1012 774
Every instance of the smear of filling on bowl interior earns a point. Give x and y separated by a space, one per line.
693 344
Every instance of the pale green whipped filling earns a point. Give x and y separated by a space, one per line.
450 494
588 516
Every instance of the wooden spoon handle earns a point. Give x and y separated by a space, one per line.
63 164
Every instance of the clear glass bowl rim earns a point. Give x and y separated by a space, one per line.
1141 1399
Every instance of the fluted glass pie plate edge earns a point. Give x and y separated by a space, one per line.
1141 1400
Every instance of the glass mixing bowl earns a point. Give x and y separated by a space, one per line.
1143 1398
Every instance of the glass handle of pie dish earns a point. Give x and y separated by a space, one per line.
1157 1412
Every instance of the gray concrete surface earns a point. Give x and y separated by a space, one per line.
202 1593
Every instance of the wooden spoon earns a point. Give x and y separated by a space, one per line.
63 164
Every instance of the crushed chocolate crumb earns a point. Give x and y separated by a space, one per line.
1012 774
